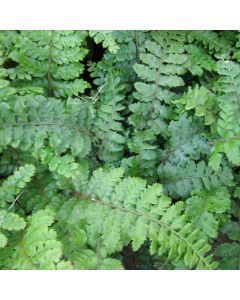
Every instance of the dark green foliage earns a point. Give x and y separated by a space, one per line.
230 254
180 181
49 60
131 150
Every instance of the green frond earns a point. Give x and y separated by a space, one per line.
106 37
108 128
228 126
199 61
50 60
6 39
119 149
229 252
203 101
15 183
36 248
32 123
119 210
204 209
130 45
186 141
180 181
11 221
160 69
216 43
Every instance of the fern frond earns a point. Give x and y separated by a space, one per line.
32 123
14 183
6 39
130 45
118 211
159 70
106 37
108 128
180 181
10 187
203 101
36 248
186 141
199 60
50 60
48 128
143 146
216 43
203 209
228 124
229 252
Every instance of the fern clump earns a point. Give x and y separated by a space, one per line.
118 142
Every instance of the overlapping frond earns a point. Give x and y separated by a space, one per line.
49 60
164 106
120 210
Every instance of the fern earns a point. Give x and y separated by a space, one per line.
199 61
49 60
11 187
216 43
204 209
5 46
14 183
47 128
122 210
186 142
108 128
107 39
181 181
160 69
228 123
130 45
230 254
37 249
145 162
203 101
